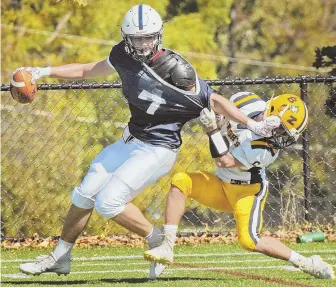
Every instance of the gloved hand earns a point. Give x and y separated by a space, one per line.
36 72
265 127
208 118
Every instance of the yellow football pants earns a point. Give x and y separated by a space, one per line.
245 201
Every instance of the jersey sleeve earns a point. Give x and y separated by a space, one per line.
251 155
205 93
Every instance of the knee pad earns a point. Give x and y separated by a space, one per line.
109 209
79 199
246 242
112 199
183 182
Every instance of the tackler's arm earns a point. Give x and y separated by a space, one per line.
219 145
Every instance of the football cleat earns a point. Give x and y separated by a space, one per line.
162 254
44 264
316 267
156 269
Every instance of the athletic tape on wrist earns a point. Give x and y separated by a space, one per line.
217 141
46 71
251 125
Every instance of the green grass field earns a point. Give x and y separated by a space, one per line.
197 266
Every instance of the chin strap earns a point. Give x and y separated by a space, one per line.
157 55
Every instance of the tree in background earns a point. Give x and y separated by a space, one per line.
326 57
47 146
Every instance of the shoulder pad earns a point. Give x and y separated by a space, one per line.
265 144
164 64
183 75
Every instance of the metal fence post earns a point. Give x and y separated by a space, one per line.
306 158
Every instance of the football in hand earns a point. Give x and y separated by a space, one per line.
21 88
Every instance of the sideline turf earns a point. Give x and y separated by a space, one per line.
120 272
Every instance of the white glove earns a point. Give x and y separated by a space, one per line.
36 72
264 128
208 118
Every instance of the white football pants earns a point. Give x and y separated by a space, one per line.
119 173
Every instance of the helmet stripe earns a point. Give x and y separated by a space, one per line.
240 95
248 100
140 17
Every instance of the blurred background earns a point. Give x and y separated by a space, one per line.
219 37
48 145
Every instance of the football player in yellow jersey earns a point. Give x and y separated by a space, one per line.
239 185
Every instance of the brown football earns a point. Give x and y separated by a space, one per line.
21 88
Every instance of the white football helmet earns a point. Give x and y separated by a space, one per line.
142 29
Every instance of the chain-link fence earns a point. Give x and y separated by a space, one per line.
48 145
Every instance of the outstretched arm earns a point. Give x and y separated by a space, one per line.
73 71
82 71
226 108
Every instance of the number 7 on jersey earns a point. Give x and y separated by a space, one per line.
156 100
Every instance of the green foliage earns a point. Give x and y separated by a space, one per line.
281 32
47 146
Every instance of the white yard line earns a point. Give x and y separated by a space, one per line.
21 275
171 270
193 262
121 257
145 263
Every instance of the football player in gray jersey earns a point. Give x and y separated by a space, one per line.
163 93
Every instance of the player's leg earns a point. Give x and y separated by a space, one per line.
83 198
203 187
74 224
314 265
248 214
174 211
133 220
175 205
145 165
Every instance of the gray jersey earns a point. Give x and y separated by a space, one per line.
158 109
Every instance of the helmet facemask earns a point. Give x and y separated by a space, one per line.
283 138
143 47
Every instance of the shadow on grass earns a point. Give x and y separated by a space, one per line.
48 282
146 280
96 281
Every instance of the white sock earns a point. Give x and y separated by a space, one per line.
297 259
170 227
154 238
63 250
170 233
